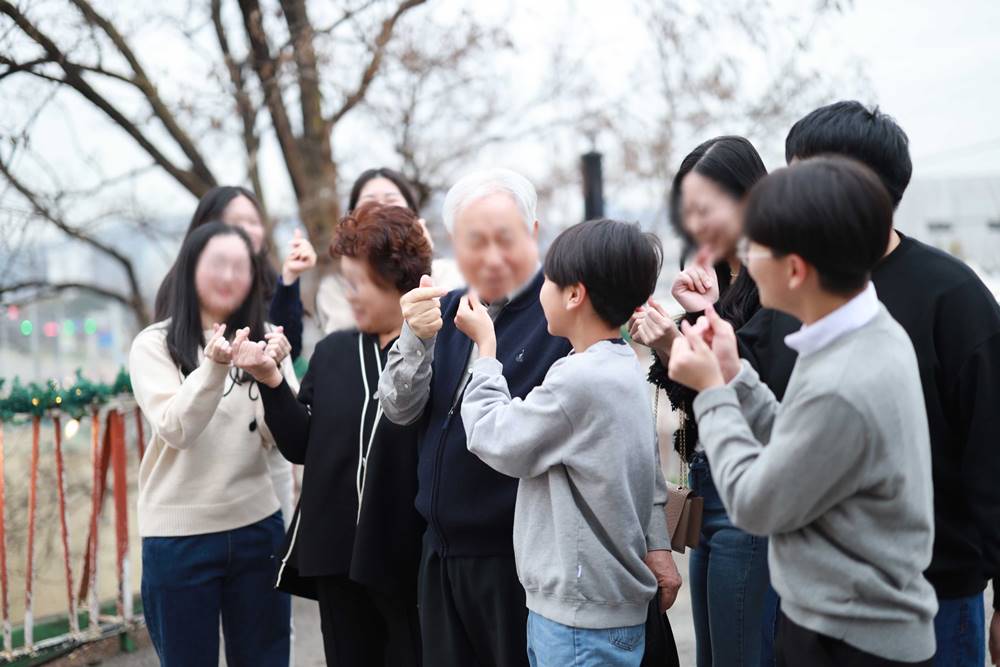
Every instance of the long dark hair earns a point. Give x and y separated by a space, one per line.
394 177
209 210
732 163
185 331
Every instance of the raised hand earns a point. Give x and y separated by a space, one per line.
254 358
696 288
277 345
301 257
692 362
722 339
653 327
422 308
474 321
218 348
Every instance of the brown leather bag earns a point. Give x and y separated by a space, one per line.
684 509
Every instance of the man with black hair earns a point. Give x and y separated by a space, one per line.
954 324
838 474
590 500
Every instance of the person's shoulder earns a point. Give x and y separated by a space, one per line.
598 370
878 358
149 345
935 265
153 335
335 341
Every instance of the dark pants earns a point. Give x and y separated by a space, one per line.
363 628
189 582
799 647
472 612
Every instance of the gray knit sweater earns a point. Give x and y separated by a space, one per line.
591 497
843 487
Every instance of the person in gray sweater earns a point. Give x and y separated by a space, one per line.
839 473
590 502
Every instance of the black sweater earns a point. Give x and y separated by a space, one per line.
954 324
322 429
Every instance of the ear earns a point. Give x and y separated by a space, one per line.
534 230
798 271
574 295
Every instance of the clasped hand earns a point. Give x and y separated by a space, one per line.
261 359
705 355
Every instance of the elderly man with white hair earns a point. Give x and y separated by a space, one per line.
472 606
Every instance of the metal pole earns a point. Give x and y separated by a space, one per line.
593 186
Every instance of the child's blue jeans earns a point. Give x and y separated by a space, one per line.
552 644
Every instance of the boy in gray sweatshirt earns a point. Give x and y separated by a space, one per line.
843 485
589 518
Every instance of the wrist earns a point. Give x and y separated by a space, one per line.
488 347
729 374
272 378
663 354
288 277
712 382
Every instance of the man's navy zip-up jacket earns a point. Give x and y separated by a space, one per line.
469 507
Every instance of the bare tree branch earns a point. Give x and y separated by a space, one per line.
45 288
267 71
378 53
45 212
74 78
244 105
143 82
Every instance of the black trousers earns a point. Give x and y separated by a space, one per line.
796 646
363 628
472 612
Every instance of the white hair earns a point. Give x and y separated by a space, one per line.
487 182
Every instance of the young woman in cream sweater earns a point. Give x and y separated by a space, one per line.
209 515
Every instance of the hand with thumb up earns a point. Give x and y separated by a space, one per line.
474 321
422 308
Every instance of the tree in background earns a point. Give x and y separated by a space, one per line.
288 90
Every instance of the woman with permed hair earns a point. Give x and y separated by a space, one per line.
354 543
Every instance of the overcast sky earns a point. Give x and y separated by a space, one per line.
935 66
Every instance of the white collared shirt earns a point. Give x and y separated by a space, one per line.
854 314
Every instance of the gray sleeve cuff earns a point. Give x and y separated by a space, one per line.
412 346
745 381
657 537
487 366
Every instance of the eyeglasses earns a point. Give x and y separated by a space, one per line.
744 254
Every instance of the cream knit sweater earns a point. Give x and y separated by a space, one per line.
204 470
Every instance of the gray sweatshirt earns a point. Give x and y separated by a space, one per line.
843 487
591 497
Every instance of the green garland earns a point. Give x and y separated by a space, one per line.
35 400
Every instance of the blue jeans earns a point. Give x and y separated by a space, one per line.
728 579
552 644
960 630
189 582
772 614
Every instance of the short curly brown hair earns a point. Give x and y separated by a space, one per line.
390 239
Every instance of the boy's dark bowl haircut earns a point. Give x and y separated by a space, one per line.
832 211
616 261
